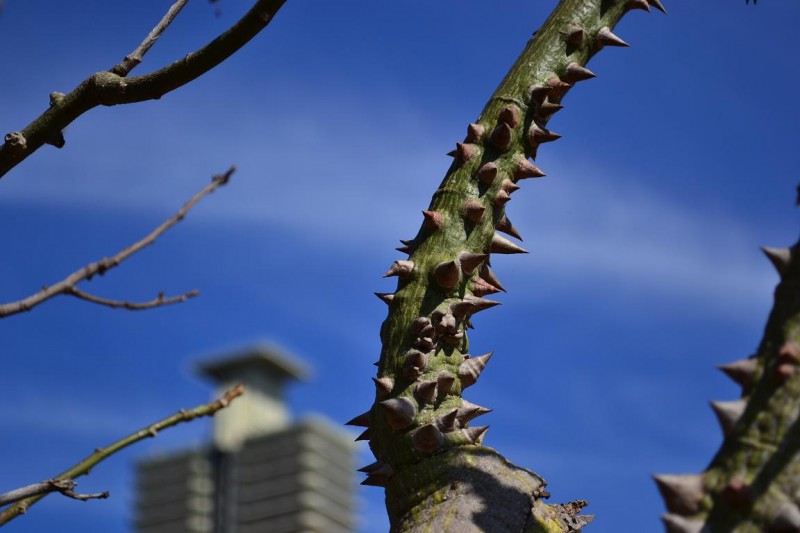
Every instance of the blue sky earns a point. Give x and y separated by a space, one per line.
676 163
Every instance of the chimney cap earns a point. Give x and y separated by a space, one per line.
265 358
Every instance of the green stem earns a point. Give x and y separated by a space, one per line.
100 454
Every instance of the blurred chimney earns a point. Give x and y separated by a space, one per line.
264 370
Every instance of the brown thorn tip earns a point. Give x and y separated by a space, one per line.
473 210
470 370
476 434
469 261
447 274
575 35
510 115
741 371
433 219
605 37
540 92
482 288
678 524
488 173
538 135
639 4
502 136
360 420
547 109
365 435
488 275
576 73
474 133
425 391
399 412
728 414
401 269
383 386
658 5
505 225
386 297
427 439
501 198
779 257
501 245
681 493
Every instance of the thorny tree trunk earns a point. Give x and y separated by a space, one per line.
753 483
438 475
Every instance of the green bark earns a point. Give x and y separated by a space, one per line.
438 476
753 482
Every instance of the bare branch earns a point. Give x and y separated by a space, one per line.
64 486
107 88
67 285
158 301
131 60
82 468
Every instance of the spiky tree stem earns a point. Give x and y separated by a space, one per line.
438 476
753 483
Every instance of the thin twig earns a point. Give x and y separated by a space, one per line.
67 285
100 454
131 60
158 301
107 88
64 486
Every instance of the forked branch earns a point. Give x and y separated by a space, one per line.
68 284
64 481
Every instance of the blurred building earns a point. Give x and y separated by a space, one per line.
261 472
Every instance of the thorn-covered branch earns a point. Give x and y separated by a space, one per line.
130 61
68 284
64 482
108 88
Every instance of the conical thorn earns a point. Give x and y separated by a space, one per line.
425 391
383 386
470 370
487 173
489 277
482 288
399 412
501 198
501 245
447 274
445 381
779 257
742 371
537 135
605 37
728 414
502 136
473 210
575 35
681 493
576 72
474 133
476 434
525 169
469 261
433 219
427 439
504 225
639 4
401 269
658 5
386 297
674 523
360 420
510 115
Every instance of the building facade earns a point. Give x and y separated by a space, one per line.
261 472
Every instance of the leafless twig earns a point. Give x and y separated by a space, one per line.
131 60
108 88
64 486
158 301
67 285
64 482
